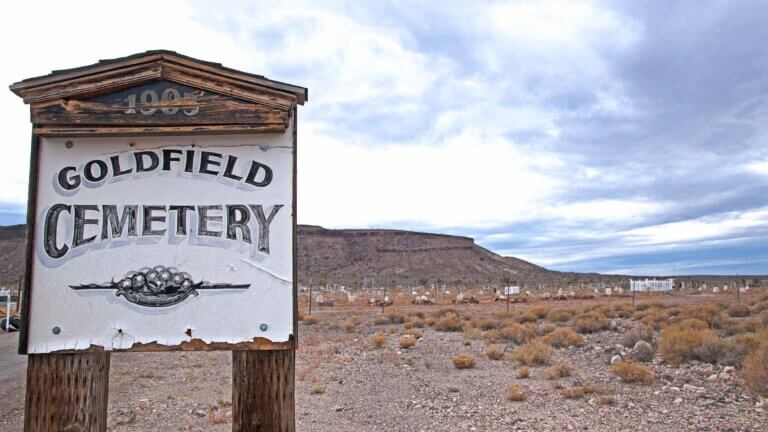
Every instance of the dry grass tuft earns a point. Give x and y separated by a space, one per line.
564 337
738 311
577 392
591 322
495 353
559 315
631 372
349 327
525 317
406 342
679 342
531 353
463 361
310 320
317 388
523 372
515 393
518 333
415 333
391 330
606 400
560 370
378 340
485 323
449 323
755 367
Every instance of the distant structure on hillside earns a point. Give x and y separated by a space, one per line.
651 285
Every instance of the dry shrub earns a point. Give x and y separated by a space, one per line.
649 305
525 317
415 333
349 327
406 342
623 310
416 314
214 416
541 312
515 393
605 400
449 323
560 370
715 350
310 320
643 351
396 318
391 330
545 328
632 337
678 342
495 353
577 392
564 337
417 322
407 326
485 323
693 324
317 388
738 311
631 372
755 368
747 342
533 352
378 340
523 372
559 315
463 361
380 320
446 311
654 318
606 311
709 313
518 333
591 323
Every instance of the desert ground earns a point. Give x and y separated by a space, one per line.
672 362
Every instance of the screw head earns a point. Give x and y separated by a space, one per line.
263 327
56 330
69 144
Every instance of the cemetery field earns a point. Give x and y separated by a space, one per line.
671 362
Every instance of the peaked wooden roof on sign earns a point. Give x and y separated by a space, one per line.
110 75
157 92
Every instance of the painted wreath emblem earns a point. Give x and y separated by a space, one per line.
157 286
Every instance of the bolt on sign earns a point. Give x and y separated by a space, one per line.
162 208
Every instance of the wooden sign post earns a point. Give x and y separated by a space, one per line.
161 217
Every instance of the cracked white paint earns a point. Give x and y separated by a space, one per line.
100 318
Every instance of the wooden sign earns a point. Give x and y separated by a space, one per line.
162 242
161 216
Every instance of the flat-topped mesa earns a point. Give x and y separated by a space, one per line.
373 232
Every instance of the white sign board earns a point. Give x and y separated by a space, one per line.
509 290
162 239
649 285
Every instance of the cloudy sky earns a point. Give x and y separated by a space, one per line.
621 137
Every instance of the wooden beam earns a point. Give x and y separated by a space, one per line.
67 392
84 131
263 391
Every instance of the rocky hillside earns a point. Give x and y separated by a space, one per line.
392 256
11 253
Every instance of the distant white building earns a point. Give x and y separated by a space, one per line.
651 285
